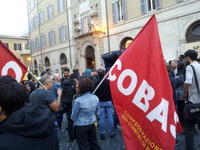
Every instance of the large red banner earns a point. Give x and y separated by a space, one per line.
142 93
10 64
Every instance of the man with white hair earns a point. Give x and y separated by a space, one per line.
42 95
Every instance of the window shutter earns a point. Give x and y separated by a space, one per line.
157 4
64 33
82 25
114 11
124 9
49 38
178 1
143 6
60 36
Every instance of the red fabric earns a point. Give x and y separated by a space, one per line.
10 64
147 123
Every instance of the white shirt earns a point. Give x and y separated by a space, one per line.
194 95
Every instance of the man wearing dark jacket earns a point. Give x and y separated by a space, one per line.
68 88
23 127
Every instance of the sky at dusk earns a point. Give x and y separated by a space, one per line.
14 17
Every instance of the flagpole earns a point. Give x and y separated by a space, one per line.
36 79
100 83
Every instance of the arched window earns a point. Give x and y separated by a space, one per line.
63 59
35 64
193 32
125 43
47 62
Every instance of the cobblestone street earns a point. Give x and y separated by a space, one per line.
117 143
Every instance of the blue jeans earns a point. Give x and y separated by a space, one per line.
106 109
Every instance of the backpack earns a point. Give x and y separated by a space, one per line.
68 91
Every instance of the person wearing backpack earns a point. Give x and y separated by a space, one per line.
69 90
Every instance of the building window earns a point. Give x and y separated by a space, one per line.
47 62
50 11
42 41
27 46
63 59
17 46
51 38
60 6
37 44
6 44
119 10
35 22
41 17
149 5
85 24
62 34
32 46
193 32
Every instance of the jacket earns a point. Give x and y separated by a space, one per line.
29 128
85 110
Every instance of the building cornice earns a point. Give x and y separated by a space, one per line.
14 37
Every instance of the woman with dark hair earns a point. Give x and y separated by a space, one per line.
23 126
84 114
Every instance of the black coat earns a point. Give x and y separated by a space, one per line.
29 128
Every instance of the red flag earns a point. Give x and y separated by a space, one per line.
142 93
10 64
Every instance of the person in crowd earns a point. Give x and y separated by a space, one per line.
56 85
172 81
27 87
65 76
69 90
174 64
84 114
94 77
180 100
43 96
31 82
181 58
198 60
76 73
88 73
190 90
106 107
54 93
28 90
43 73
23 127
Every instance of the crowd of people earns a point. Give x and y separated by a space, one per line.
31 113
186 90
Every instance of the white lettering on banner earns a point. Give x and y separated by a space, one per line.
15 67
172 127
146 92
133 83
142 94
119 67
155 114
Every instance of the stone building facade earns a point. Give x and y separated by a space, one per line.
95 27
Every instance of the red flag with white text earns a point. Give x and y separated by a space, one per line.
10 64
142 93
